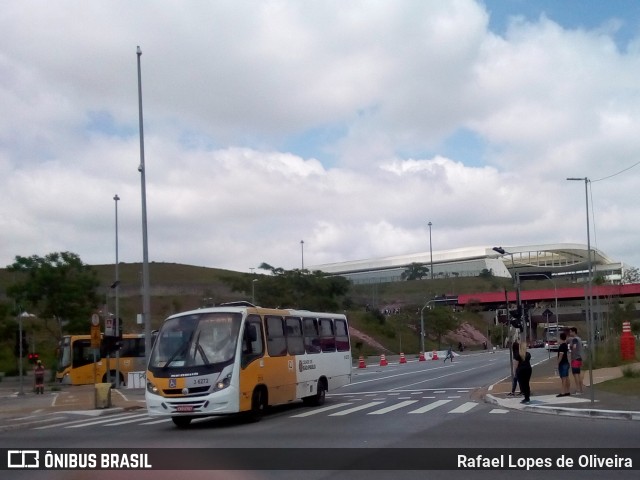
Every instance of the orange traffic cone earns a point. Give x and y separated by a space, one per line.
434 355
402 358
361 363
383 361
421 357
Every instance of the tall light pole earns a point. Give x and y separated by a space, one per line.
589 283
253 290
116 198
430 250
422 324
21 391
146 303
302 251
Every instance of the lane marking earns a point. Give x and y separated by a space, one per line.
320 410
355 409
391 408
465 407
431 406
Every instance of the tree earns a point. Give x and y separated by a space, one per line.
294 288
439 321
415 271
57 287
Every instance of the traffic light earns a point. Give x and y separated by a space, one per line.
516 318
33 358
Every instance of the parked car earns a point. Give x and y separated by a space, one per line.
536 344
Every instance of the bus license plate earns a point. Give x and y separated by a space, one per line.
184 408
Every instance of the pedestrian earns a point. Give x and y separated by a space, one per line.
38 377
515 348
449 355
524 374
576 359
563 366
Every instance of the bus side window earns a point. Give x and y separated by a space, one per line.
295 343
311 335
276 341
327 338
252 347
342 335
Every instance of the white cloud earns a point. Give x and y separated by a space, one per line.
227 84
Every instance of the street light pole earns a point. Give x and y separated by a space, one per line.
21 392
430 249
146 303
422 324
589 292
253 291
116 198
302 252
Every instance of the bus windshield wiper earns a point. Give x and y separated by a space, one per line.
181 350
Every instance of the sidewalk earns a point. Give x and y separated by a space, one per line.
545 385
29 408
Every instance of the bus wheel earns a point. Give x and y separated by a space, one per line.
320 396
258 404
181 422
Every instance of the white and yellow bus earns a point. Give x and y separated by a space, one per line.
240 358
76 360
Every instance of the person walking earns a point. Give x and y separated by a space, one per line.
515 348
563 366
524 374
38 377
576 359
449 355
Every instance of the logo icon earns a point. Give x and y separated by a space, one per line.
23 458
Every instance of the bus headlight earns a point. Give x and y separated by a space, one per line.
222 384
151 388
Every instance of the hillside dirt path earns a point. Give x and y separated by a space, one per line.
368 340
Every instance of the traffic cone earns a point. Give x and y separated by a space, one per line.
361 363
402 358
421 357
434 355
383 361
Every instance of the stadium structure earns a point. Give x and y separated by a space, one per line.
562 259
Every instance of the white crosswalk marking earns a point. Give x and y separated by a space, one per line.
431 406
391 408
98 422
465 407
315 411
74 422
355 409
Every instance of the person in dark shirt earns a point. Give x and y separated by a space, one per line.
515 348
563 366
524 375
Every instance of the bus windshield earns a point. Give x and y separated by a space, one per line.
64 354
196 340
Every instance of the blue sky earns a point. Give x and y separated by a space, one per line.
347 124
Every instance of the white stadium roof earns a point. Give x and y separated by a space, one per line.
471 261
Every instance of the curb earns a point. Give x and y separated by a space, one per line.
568 411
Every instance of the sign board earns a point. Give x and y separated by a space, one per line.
109 327
95 336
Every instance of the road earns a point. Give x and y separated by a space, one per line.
424 405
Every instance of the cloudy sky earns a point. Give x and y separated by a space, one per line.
345 124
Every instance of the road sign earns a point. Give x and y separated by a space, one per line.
95 320
547 313
109 327
95 336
